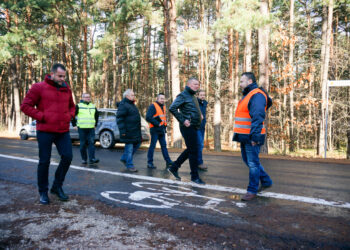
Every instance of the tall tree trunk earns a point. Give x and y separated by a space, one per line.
114 69
70 72
264 58
174 66
231 85
291 76
236 80
166 57
217 89
248 51
85 75
348 129
104 80
16 73
324 76
10 118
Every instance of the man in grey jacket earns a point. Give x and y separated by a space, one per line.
186 110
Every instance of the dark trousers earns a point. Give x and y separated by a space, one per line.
87 141
191 152
64 147
162 141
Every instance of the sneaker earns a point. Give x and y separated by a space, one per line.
44 198
202 167
151 166
123 161
84 162
93 161
198 181
248 196
132 170
174 173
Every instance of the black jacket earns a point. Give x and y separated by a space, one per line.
183 108
155 120
129 122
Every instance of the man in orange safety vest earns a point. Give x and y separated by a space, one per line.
156 116
250 131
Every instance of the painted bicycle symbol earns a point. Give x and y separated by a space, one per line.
156 195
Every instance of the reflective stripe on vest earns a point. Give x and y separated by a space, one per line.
243 121
86 115
161 113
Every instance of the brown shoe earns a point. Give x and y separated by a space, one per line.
248 196
202 167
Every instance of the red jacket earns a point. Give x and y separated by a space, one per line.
51 106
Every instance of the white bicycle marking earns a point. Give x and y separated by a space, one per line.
166 197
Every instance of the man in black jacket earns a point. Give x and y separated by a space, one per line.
129 124
186 110
156 116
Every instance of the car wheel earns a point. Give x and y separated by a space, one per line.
23 135
107 139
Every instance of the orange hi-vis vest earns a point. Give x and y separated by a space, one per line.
161 113
243 121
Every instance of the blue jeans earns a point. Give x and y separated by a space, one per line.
64 147
250 156
87 141
200 146
154 138
129 151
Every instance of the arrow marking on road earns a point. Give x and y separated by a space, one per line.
298 198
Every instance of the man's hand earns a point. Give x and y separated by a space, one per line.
187 123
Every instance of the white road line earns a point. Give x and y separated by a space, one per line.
298 198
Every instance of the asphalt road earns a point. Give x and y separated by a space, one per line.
303 191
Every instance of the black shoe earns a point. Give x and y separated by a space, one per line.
151 166
93 161
169 164
198 181
84 162
59 192
174 173
44 198
124 162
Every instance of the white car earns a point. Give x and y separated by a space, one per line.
106 131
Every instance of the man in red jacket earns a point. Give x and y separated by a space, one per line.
51 104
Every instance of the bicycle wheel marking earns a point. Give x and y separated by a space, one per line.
158 195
